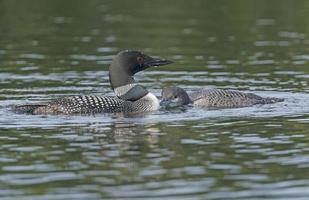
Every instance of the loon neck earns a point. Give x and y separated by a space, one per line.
187 98
124 85
131 92
119 77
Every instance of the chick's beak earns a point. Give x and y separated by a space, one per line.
168 103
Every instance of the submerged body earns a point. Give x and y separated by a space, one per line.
130 96
213 98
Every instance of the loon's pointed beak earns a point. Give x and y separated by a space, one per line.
152 62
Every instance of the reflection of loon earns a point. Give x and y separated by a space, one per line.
213 98
131 97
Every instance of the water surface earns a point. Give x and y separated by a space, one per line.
60 48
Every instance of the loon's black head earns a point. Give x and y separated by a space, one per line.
174 96
127 63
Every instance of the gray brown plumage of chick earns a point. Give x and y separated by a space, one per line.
213 98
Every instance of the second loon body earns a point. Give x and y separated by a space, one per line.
130 97
213 98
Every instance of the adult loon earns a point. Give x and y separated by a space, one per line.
130 96
213 98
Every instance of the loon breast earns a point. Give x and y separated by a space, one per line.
149 102
155 104
137 98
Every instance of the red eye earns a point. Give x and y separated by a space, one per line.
140 59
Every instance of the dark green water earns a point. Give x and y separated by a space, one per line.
57 48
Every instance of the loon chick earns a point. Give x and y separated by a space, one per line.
130 96
213 98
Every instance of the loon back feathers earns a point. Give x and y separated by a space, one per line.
228 98
70 105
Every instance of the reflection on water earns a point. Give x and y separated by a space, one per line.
54 48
